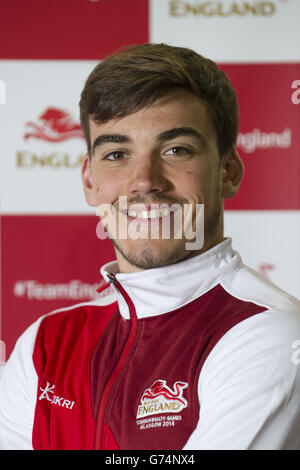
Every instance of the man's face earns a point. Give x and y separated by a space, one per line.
164 154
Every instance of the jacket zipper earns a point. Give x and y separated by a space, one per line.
120 365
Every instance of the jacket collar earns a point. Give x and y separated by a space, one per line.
160 290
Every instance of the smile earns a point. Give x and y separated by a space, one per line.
149 214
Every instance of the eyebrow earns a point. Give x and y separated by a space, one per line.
181 132
162 137
110 138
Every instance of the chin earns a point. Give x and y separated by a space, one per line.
156 254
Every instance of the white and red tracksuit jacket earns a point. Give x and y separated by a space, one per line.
196 355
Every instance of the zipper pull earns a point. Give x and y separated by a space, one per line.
112 279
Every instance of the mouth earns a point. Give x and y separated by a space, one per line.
149 214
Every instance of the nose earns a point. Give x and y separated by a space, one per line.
148 176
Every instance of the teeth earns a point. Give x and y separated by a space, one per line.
152 214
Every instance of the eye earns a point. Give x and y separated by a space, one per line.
178 151
114 156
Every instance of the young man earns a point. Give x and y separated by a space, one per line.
187 348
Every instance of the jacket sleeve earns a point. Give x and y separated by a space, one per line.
18 391
249 387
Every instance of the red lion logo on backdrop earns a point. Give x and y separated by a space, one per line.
55 125
160 389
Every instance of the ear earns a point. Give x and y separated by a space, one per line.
88 186
232 172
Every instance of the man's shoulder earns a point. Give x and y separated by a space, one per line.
68 318
247 284
266 341
277 326
85 314
67 330
103 302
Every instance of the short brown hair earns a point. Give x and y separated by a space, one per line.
136 76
